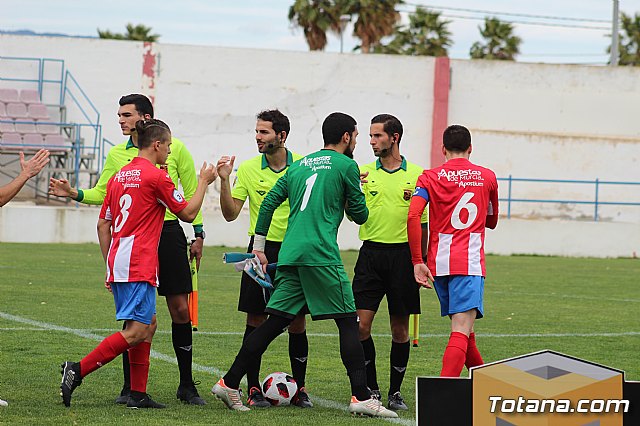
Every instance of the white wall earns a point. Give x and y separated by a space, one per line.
527 120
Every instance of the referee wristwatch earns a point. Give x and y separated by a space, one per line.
200 234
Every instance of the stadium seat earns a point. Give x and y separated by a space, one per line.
33 140
29 96
14 140
9 95
38 111
5 126
25 128
17 110
48 129
56 143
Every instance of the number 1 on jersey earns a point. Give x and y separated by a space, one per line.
307 192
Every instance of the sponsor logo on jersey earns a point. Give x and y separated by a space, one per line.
177 196
127 176
458 175
261 192
316 163
373 193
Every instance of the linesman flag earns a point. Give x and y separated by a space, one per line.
414 329
193 297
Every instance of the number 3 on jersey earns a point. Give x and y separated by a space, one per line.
464 204
307 192
125 204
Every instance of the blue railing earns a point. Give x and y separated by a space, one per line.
596 202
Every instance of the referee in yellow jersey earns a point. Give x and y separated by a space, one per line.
384 265
254 179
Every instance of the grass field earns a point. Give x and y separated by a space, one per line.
53 307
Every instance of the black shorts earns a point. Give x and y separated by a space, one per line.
386 269
253 298
174 270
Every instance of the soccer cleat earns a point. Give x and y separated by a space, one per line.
231 397
370 407
256 399
144 402
375 394
124 395
188 394
70 380
396 402
302 399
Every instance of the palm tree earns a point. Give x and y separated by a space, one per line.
426 35
138 33
315 17
629 43
376 19
499 41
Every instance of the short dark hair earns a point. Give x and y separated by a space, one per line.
278 120
335 125
390 123
456 138
152 130
142 103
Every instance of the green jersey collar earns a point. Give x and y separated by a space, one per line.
130 143
403 166
265 163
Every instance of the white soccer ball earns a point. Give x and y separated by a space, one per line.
279 388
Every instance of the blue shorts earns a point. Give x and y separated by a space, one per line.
460 293
134 301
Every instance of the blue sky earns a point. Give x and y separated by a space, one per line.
264 23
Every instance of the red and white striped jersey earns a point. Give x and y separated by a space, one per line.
461 195
135 203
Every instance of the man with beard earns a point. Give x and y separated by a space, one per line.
384 265
255 178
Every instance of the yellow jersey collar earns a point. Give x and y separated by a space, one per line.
265 163
403 165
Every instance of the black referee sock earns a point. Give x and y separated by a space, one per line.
298 353
399 359
370 363
182 338
253 347
353 357
253 369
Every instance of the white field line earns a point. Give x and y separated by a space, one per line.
566 296
215 372
335 335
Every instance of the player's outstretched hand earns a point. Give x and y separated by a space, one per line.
225 166
423 275
208 172
363 177
35 164
59 187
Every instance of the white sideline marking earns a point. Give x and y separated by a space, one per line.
237 333
43 326
567 296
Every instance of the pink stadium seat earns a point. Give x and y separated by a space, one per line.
13 139
7 127
3 110
38 111
48 129
25 128
17 110
8 95
56 143
33 140
29 96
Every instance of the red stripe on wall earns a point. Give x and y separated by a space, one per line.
441 83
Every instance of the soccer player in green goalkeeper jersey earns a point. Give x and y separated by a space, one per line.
320 187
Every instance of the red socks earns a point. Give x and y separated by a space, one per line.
473 355
139 361
454 355
106 351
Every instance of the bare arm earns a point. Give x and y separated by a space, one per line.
104 237
230 206
28 170
208 174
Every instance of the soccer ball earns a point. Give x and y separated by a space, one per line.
279 388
